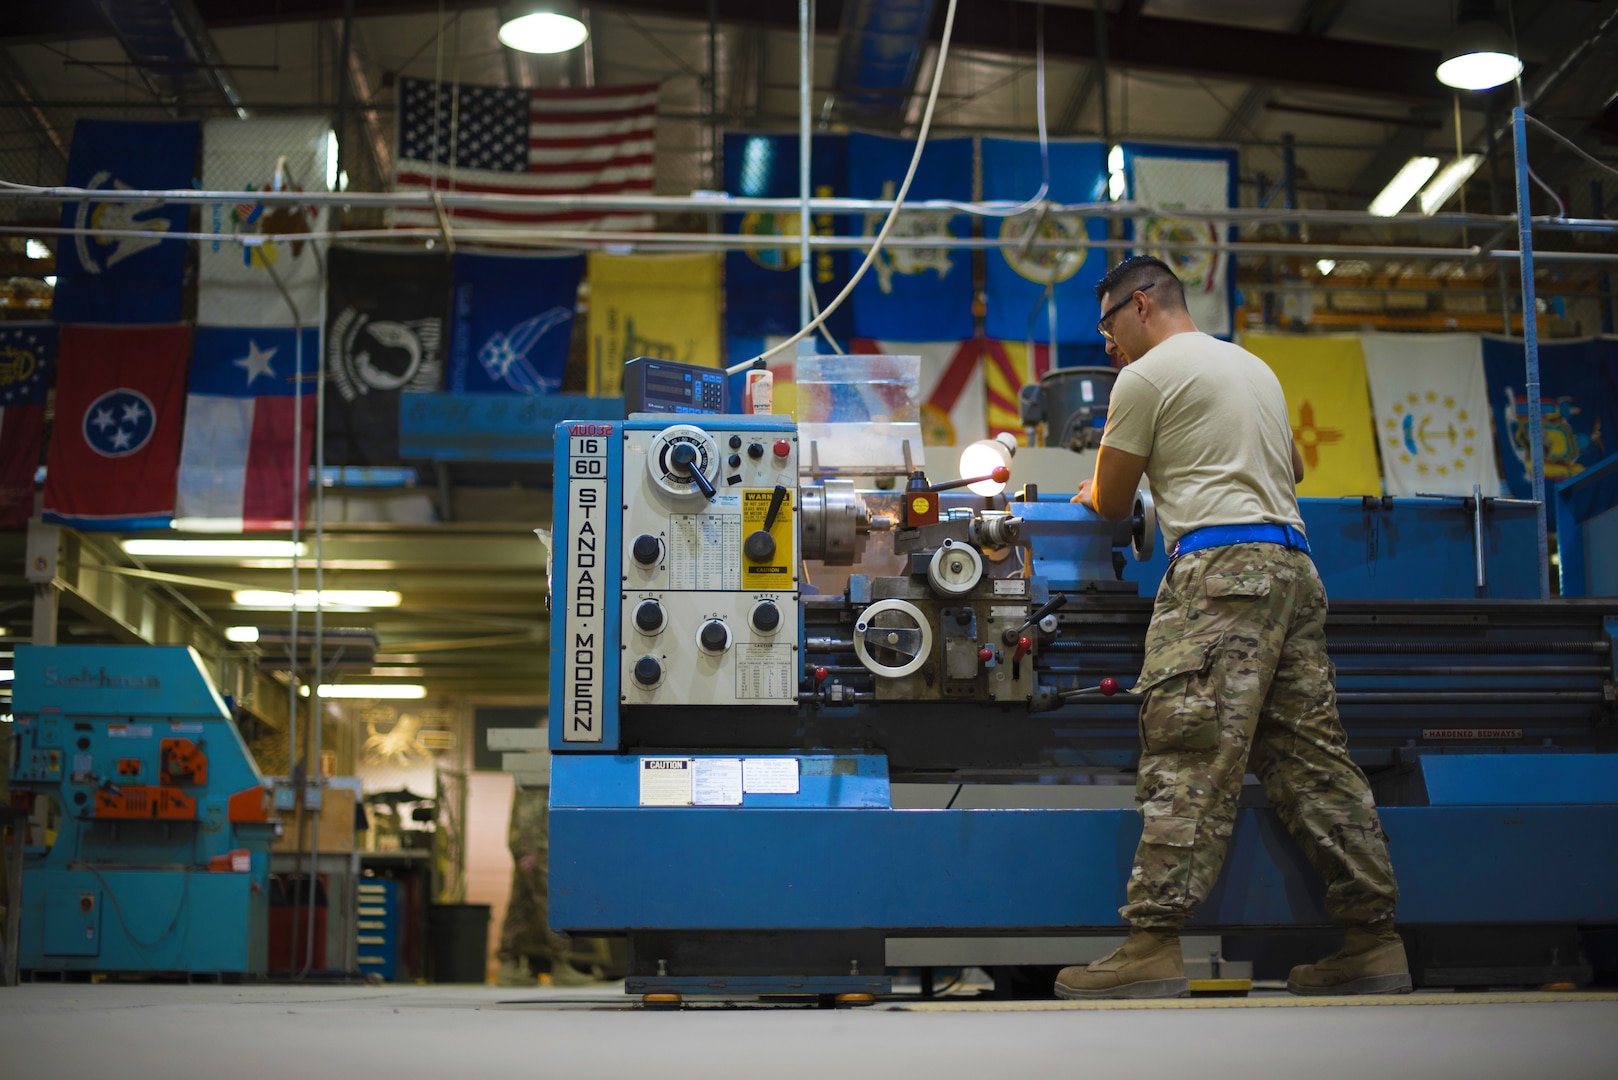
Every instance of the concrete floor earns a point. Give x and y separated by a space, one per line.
181 1032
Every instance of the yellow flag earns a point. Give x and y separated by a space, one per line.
1329 404
665 306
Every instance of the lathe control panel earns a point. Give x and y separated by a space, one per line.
710 563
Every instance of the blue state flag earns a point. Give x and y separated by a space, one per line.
512 322
1017 301
126 278
1576 409
914 293
761 283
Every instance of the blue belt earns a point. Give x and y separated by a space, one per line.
1211 536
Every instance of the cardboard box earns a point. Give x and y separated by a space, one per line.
335 820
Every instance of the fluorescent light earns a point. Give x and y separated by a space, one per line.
1404 185
394 691
246 634
50 279
7 675
330 598
36 249
1325 266
1448 182
543 32
1115 158
214 549
331 161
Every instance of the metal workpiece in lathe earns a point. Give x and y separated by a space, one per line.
908 715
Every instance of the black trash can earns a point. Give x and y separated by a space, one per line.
460 942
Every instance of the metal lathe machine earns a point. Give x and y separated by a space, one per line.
796 724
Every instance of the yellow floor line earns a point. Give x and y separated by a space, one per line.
1288 1002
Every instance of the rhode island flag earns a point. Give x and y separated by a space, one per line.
236 469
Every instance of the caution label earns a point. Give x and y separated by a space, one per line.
774 571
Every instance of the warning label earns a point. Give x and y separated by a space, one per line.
774 571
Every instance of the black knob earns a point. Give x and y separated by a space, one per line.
713 636
759 545
755 450
648 671
735 442
646 549
649 616
735 460
766 617
684 455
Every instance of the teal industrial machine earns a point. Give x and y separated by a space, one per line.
148 836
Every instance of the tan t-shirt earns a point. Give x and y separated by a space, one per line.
1211 421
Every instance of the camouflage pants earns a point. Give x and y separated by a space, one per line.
525 932
1236 678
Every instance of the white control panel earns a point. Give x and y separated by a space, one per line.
710 566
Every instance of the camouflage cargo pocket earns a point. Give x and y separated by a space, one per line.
1180 704
1248 583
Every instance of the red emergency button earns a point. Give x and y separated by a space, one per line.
985 654
782 448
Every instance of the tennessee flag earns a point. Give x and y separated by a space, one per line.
1007 368
1329 404
115 445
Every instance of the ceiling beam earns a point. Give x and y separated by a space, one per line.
1145 41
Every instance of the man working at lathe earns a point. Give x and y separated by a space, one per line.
1236 674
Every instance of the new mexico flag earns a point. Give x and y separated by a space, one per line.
1329 404
665 306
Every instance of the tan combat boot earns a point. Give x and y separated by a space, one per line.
1371 961
1147 965
514 973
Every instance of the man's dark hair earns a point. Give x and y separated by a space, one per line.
1137 271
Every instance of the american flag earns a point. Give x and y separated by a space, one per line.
511 141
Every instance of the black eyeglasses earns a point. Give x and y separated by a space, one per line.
1106 317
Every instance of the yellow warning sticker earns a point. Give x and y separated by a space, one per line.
767 554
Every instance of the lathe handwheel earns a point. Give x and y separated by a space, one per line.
1143 537
955 569
882 628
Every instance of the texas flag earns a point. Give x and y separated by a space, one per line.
115 443
27 363
237 471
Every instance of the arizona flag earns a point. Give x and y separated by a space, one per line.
115 444
237 472
1007 368
27 362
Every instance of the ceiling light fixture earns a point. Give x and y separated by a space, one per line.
543 28
1404 185
345 599
214 549
245 634
1479 54
1325 266
378 691
1448 182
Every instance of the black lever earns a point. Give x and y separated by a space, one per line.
1055 603
776 499
684 457
760 545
